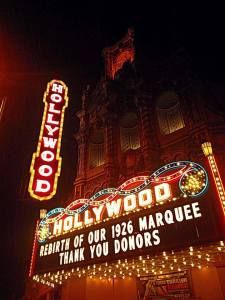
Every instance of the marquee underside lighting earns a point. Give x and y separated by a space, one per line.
191 179
46 162
164 262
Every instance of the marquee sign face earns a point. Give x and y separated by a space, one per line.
186 178
46 162
146 214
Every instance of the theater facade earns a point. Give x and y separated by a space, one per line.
146 218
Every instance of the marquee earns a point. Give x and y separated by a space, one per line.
169 209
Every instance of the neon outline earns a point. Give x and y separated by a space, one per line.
37 153
217 179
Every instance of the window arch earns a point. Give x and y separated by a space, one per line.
129 133
169 113
96 148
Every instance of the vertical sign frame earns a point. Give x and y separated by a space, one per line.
46 162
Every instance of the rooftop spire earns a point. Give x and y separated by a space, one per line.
116 55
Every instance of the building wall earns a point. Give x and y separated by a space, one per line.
157 148
96 289
207 284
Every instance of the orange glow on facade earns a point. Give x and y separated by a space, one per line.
46 162
217 180
207 150
33 251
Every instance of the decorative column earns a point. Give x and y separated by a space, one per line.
208 152
81 138
148 140
109 150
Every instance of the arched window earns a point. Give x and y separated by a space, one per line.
129 133
169 113
96 148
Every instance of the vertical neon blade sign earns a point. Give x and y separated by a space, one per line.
46 162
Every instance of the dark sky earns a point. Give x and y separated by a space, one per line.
42 40
44 36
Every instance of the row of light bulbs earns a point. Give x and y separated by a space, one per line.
163 263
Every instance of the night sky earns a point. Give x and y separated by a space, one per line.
42 40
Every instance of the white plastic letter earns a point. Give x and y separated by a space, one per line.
162 192
68 223
145 197
50 119
47 155
57 88
51 130
129 202
45 170
56 98
52 109
49 142
42 186
113 208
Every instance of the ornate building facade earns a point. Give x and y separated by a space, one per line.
131 126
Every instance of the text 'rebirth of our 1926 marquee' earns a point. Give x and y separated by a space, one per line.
46 162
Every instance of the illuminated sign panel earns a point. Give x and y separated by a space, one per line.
46 162
149 231
170 182
146 214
